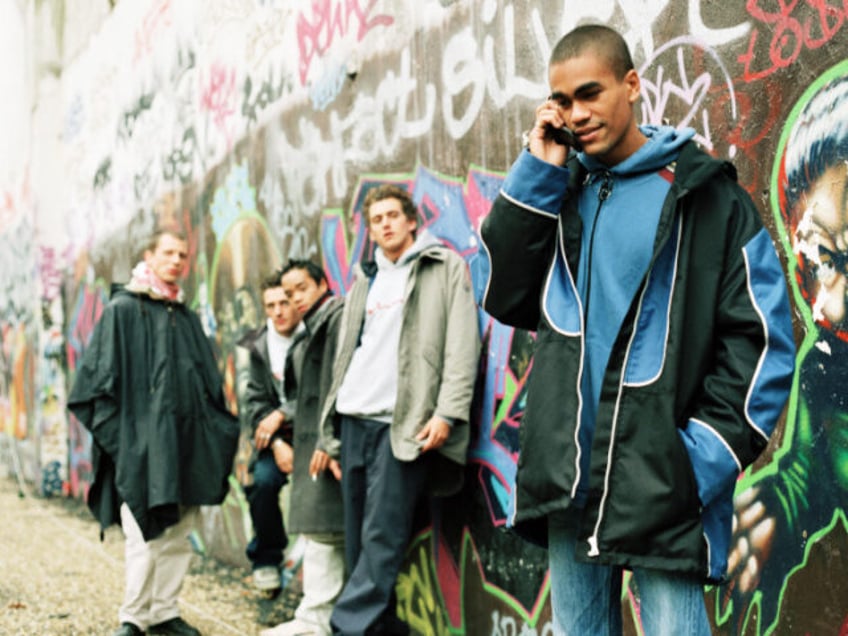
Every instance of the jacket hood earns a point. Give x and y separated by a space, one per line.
665 145
117 289
423 241
319 312
662 147
317 305
700 168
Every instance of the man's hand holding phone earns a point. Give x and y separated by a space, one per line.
565 137
550 139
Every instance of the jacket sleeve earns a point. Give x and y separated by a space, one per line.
519 237
462 346
344 334
745 391
260 396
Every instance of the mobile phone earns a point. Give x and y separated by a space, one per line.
565 137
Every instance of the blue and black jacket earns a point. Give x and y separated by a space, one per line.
695 379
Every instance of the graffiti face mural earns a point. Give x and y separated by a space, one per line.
814 205
793 515
814 184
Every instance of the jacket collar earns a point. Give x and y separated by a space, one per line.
318 313
435 252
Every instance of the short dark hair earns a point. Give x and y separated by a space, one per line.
153 242
602 40
390 191
315 273
271 280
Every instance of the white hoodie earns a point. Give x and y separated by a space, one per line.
369 388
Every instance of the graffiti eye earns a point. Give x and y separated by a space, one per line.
832 262
825 273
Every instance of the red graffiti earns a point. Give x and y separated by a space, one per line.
7 209
790 33
50 272
751 128
219 96
157 17
331 19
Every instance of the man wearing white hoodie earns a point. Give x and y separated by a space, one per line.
403 381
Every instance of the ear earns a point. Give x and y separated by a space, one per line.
323 286
148 255
634 85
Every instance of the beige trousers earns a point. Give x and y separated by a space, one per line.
155 569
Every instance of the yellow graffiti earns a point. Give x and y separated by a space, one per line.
418 604
13 418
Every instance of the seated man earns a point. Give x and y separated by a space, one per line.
269 414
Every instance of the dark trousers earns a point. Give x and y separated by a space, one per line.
380 495
269 540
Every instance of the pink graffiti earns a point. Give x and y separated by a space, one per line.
790 33
157 17
219 97
87 313
80 469
51 276
333 19
7 209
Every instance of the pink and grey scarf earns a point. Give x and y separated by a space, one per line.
144 281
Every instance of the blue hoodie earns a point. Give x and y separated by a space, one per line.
620 208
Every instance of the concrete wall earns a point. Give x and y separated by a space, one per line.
257 124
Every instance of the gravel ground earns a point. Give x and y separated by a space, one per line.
56 577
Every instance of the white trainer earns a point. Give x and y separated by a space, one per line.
266 578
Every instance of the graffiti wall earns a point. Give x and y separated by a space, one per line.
258 126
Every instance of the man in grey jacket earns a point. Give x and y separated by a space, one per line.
403 381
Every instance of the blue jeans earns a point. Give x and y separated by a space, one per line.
586 598
269 541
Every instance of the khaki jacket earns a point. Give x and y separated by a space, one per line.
438 358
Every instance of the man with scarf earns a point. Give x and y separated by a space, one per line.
149 390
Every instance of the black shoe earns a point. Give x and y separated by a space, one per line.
174 627
388 625
128 629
